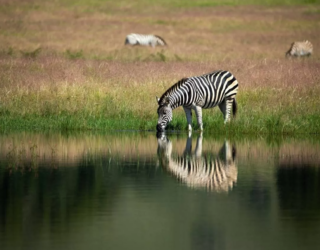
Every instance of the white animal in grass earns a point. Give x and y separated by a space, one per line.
145 40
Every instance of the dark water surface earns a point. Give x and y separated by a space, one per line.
137 191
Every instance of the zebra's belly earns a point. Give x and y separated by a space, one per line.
208 102
210 97
304 53
200 104
144 43
209 106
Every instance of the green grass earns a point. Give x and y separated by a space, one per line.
268 123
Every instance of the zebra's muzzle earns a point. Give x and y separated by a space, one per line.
160 128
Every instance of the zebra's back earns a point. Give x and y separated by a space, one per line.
304 48
214 87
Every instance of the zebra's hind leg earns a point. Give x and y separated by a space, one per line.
189 117
225 108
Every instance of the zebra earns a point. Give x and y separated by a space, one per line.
197 170
146 40
298 49
197 93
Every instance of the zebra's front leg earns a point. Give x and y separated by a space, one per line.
189 117
198 111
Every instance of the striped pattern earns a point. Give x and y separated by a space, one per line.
145 40
218 88
212 172
299 49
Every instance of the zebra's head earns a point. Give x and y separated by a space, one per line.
160 41
164 113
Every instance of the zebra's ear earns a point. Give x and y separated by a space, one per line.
158 99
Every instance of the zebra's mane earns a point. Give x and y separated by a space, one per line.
161 39
171 90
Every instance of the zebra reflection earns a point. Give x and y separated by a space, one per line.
198 169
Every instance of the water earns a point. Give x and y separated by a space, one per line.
137 191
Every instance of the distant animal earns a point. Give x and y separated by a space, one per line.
299 49
145 40
197 93
214 172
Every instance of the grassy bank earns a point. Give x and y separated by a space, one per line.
274 96
63 65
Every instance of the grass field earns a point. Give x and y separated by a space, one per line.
64 66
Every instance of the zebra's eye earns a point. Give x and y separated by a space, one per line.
164 112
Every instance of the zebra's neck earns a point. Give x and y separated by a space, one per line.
177 94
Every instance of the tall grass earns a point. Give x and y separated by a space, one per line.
275 97
64 66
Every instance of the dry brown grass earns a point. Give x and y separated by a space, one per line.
198 34
84 85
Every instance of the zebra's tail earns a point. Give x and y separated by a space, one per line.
234 108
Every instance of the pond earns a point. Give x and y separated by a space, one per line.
132 190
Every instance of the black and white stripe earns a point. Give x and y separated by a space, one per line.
218 88
145 40
214 172
299 49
